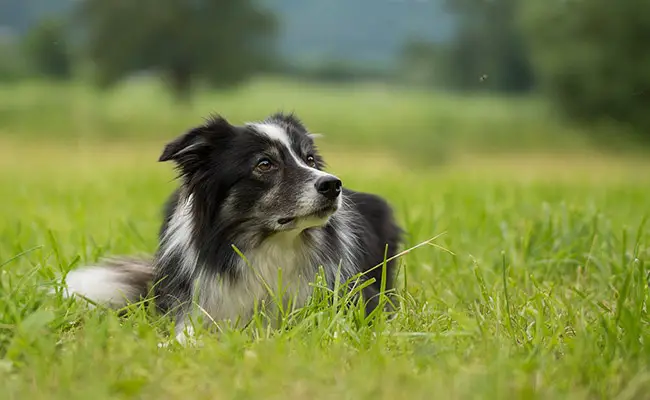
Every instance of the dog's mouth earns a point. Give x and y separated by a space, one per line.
318 214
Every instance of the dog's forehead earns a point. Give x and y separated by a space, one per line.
283 134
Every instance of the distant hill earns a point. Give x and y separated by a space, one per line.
356 30
20 15
312 30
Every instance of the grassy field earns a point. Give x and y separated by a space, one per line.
429 128
538 289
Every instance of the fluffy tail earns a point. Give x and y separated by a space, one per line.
114 282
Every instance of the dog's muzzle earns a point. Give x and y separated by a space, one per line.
329 190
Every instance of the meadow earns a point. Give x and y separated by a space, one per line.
536 285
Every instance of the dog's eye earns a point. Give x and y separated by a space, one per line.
311 161
265 165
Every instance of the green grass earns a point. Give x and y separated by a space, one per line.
545 294
428 127
536 288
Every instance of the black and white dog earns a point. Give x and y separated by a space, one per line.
259 188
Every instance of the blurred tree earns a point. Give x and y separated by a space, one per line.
47 50
593 57
488 49
335 71
220 41
13 65
423 63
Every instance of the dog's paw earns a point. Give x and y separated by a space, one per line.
186 338
189 341
183 341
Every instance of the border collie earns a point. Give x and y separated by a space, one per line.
257 190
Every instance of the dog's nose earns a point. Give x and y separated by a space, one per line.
329 186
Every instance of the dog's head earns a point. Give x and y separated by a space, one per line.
265 176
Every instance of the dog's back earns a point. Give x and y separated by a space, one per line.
380 237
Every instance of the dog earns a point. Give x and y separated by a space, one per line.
252 199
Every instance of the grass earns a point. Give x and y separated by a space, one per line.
542 293
544 297
428 127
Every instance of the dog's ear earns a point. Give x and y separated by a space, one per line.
195 144
187 143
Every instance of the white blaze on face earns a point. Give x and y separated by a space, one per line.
274 132
280 135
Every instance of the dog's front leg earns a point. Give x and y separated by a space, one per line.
184 331
181 307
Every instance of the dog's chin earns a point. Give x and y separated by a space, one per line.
300 223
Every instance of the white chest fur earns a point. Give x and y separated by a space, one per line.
276 271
